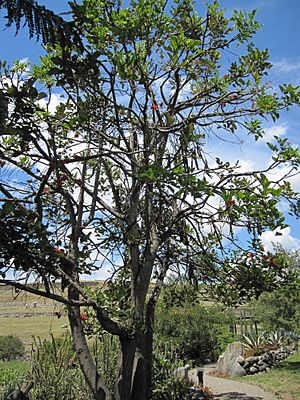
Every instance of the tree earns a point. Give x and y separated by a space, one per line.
280 309
41 22
119 173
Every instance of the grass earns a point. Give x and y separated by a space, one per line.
283 380
27 327
12 370
19 316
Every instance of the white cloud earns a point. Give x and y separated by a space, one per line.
246 165
51 105
99 275
285 173
276 130
286 240
284 66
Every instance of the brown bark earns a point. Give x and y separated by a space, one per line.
85 359
124 383
134 381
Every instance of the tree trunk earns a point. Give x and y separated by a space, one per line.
142 381
124 382
87 364
134 382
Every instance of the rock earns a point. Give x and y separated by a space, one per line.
262 368
240 360
227 363
198 396
238 370
17 395
252 359
246 365
253 370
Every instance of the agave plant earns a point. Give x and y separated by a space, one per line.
254 345
292 338
276 339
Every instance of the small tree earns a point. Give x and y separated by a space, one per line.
119 173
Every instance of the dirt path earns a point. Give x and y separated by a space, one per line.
225 389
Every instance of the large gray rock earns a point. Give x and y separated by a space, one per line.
227 362
238 370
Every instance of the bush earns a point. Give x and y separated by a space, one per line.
278 310
165 385
11 347
105 352
55 373
194 332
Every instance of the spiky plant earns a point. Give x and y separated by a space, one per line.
254 345
276 339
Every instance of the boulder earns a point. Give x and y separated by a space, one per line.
246 365
17 395
238 370
253 370
262 368
252 359
228 363
240 360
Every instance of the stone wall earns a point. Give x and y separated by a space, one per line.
233 363
263 363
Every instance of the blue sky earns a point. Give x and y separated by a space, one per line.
280 34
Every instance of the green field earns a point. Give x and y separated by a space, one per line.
26 327
25 315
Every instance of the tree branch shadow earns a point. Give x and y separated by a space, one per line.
235 396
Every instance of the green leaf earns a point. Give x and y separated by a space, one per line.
41 96
8 207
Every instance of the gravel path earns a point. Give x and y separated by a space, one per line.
225 389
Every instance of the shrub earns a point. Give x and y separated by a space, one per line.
105 351
55 373
194 332
276 339
292 339
165 385
8 388
11 347
13 370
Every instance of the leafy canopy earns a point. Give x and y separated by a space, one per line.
120 171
